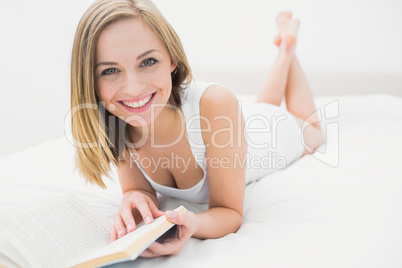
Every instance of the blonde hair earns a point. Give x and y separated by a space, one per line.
97 139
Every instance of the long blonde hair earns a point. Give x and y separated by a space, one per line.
99 136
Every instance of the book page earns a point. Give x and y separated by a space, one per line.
55 232
9 256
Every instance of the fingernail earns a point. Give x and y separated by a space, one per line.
148 219
171 214
129 227
120 232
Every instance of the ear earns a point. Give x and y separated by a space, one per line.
173 66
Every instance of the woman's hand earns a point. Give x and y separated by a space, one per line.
135 206
187 224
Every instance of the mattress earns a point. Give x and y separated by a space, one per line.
340 207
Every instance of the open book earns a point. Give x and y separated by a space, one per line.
65 232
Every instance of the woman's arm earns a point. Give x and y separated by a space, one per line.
224 136
226 165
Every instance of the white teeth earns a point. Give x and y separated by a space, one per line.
139 104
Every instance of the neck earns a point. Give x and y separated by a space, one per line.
160 131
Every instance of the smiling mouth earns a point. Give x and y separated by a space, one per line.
138 104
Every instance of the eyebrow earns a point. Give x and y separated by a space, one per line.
139 57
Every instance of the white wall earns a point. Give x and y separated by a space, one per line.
335 37
340 36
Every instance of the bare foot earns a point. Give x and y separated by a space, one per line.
287 28
281 20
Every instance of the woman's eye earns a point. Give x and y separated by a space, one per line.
149 62
109 71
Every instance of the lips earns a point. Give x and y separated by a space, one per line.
139 105
137 99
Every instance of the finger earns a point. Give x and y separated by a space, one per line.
126 214
143 207
148 254
171 216
172 247
154 250
187 222
113 234
119 225
154 210
169 248
179 218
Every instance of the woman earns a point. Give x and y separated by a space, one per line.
138 104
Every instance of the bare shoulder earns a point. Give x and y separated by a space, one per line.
217 100
219 109
217 93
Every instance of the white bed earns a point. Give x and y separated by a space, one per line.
341 208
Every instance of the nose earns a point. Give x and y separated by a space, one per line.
134 84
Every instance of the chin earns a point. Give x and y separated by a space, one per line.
142 120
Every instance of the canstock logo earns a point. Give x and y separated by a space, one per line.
329 120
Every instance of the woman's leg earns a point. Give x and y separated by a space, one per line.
274 87
300 103
299 99
275 84
286 78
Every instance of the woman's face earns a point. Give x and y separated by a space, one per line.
132 72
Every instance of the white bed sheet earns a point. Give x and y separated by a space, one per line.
310 215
